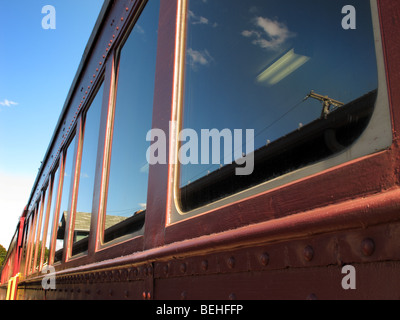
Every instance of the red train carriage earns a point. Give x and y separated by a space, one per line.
222 150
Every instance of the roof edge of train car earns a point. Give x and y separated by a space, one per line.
85 56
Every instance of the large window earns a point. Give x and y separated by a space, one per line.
83 211
64 209
35 236
43 254
54 195
300 75
128 173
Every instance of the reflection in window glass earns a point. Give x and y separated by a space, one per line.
25 247
56 179
127 186
250 65
83 210
43 230
64 210
35 237
29 244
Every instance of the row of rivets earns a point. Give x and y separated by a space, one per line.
367 249
80 106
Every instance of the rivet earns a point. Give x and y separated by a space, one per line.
144 295
308 253
124 274
184 295
183 267
312 296
148 295
232 296
122 18
264 259
110 276
116 275
204 265
117 28
368 247
231 262
126 9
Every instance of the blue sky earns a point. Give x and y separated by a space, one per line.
37 67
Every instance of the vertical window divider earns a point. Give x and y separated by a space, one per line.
57 209
68 240
104 153
46 215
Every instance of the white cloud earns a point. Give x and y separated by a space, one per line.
270 34
145 168
138 29
7 103
199 58
195 19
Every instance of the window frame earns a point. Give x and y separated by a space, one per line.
80 135
112 77
46 195
63 157
255 198
52 225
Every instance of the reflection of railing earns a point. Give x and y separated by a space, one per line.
128 226
309 144
326 103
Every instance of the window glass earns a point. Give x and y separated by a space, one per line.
295 73
28 243
35 237
56 179
64 210
43 229
127 184
83 210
